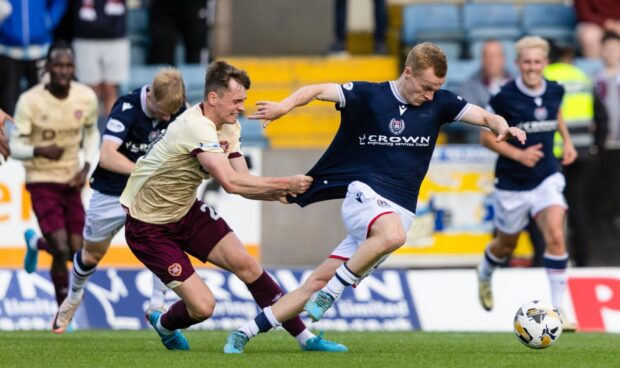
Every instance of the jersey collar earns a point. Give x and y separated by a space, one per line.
528 91
397 94
143 101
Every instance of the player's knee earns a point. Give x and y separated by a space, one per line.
392 241
248 269
91 258
203 311
61 252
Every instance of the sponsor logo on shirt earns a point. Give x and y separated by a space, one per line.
384 140
538 126
115 126
212 145
126 106
348 86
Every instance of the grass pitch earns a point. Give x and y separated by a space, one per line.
137 349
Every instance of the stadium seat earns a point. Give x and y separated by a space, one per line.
452 49
431 22
460 71
137 24
252 133
552 21
490 20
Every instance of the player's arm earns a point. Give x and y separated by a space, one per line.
90 142
528 156
20 140
569 153
478 116
255 187
269 111
241 166
112 160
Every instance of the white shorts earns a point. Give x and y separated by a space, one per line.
98 61
514 208
361 207
104 217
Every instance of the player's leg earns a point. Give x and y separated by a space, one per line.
511 209
286 308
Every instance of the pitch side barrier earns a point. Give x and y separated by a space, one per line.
388 300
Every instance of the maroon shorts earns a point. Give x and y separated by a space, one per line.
57 206
162 248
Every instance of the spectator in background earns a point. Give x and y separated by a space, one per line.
340 28
25 37
101 47
595 17
486 82
169 20
608 89
578 113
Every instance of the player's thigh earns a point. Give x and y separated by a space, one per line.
549 193
511 210
88 56
204 229
230 254
160 249
115 66
104 219
47 203
74 212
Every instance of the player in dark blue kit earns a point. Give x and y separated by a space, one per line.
528 178
135 121
376 162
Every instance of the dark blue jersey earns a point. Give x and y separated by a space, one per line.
383 142
133 129
536 113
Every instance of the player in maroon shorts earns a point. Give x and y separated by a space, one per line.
165 222
52 120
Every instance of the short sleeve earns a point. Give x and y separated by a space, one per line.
351 96
198 138
23 116
453 106
92 113
120 121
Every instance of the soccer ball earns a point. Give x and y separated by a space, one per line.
538 324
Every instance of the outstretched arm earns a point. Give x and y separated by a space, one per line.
269 111
498 125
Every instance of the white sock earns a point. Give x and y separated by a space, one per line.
163 329
158 295
344 277
32 244
488 264
303 337
556 272
250 329
263 322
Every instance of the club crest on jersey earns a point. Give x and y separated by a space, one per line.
78 114
175 269
397 126
153 134
382 203
540 113
348 86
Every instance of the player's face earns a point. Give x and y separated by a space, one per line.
154 109
421 87
61 67
531 63
229 103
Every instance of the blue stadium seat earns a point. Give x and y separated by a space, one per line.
137 24
552 21
490 20
460 71
138 54
431 22
451 49
252 133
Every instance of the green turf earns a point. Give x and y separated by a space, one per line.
137 349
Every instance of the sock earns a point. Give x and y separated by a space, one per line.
79 277
177 317
158 295
163 329
263 322
489 263
304 336
556 271
61 285
265 292
344 277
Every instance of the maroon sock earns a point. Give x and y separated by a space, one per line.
42 245
61 285
265 292
177 317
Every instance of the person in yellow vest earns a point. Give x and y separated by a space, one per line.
578 112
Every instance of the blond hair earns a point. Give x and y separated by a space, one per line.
168 89
427 55
532 42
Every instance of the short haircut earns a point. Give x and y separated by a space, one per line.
219 74
168 89
60 44
532 42
427 55
610 36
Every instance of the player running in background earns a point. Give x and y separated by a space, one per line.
136 120
52 120
4 141
165 221
528 178
377 162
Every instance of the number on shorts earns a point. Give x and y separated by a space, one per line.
212 212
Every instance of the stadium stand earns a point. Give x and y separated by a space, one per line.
431 22
491 20
553 21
